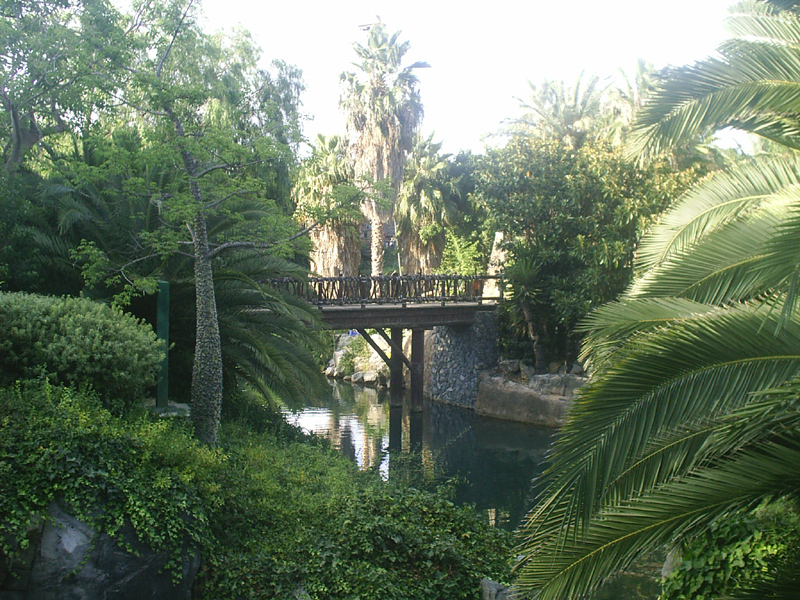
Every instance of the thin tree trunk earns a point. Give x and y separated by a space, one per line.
538 349
207 369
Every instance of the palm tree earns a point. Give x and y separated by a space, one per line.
325 192
567 114
425 204
693 410
383 110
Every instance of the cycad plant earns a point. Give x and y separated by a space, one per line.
693 409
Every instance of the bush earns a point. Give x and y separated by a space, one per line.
299 517
61 445
271 516
78 342
735 551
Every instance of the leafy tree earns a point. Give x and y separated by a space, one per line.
573 218
56 61
692 411
213 134
383 110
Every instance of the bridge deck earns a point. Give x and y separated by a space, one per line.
411 316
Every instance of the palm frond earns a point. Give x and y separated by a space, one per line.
727 264
723 197
619 534
754 84
712 364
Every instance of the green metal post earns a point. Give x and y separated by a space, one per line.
162 327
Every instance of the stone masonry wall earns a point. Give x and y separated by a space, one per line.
455 355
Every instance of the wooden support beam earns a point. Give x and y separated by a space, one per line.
396 366
374 345
395 344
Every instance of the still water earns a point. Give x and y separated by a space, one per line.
493 462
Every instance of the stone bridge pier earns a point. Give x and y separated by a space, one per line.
456 354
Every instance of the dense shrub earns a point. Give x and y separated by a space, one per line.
61 445
299 517
272 516
735 551
78 342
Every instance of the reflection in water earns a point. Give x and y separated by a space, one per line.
494 461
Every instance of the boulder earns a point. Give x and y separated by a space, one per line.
71 561
371 378
491 590
508 366
543 400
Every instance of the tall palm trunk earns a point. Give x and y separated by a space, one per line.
418 256
377 244
336 250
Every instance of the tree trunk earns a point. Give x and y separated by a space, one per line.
206 408
207 368
417 257
377 245
539 354
337 250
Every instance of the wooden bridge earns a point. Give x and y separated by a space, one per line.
415 302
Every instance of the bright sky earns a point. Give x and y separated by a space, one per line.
482 53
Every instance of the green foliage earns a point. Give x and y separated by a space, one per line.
461 256
340 534
578 215
59 445
356 349
270 515
693 410
78 342
734 551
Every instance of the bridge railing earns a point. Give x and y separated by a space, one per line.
388 289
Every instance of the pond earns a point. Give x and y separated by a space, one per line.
490 462
493 462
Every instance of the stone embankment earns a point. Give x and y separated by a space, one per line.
462 368
514 392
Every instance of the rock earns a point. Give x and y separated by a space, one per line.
555 366
511 401
508 366
370 378
527 372
357 377
491 590
71 561
577 369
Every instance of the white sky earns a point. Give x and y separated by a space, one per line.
482 53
